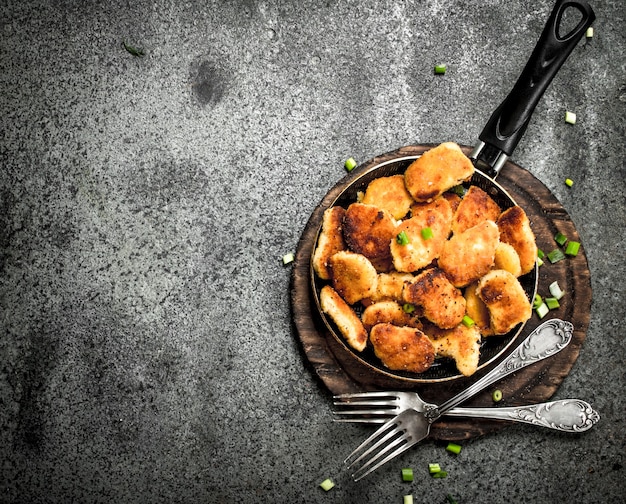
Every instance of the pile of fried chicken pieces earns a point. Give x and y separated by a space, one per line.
432 272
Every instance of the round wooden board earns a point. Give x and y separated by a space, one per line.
536 383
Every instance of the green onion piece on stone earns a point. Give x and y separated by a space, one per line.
407 474
327 484
350 164
454 448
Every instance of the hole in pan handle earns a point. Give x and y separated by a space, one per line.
508 122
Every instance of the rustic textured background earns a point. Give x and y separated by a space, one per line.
146 348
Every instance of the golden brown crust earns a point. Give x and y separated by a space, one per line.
390 194
442 302
330 241
505 299
469 255
344 317
353 276
368 230
475 207
436 171
477 310
516 231
402 348
389 312
461 343
506 258
420 252
389 286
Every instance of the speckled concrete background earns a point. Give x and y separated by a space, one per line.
146 349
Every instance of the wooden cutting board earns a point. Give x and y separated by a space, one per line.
536 383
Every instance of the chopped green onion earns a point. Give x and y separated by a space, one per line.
135 51
542 310
434 468
569 182
350 164
539 261
407 499
440 69
402 238
427 233
467 321
327 484
459 190
553 303
589 32
572 248
408 308
407 474
496 395
288 258
454 448
540 254
555 256
570 117
440 474
451 500
560 238
537 301
556 291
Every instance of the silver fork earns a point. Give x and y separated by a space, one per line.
566 415
411 426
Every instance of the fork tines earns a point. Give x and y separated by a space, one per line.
389 441
370 407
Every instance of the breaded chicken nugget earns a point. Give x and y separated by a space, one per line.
389 193
461 343
389 286
442 302
389 312
402 348
436 171
352 276
452 198
368 230
516 231
440 204
507 259
477 310
467 256
475 207
330 241
505 299
420 251
344 317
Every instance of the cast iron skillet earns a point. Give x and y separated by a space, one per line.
497 142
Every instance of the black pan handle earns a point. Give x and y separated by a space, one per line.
509 121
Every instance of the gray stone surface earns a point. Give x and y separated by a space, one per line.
146 348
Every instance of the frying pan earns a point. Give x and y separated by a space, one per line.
497 141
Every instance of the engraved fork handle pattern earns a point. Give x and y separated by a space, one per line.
567 415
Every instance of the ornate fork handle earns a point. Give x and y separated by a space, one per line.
568 415
546 340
